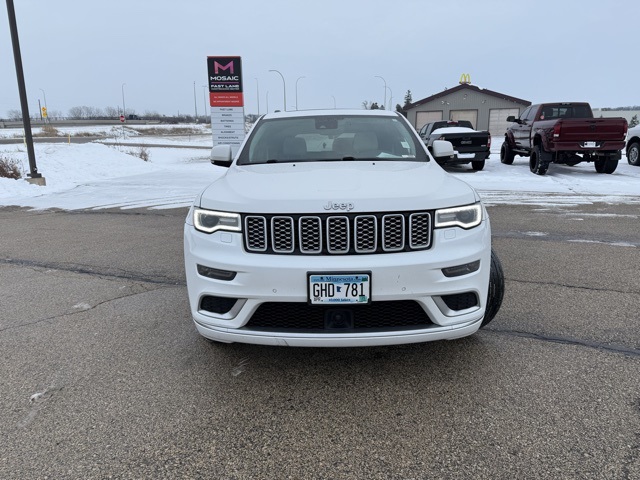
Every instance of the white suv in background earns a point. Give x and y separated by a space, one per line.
633 146
337 228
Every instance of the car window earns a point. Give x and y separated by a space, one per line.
331 138
531 114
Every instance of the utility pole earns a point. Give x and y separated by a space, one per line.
195 102
35 176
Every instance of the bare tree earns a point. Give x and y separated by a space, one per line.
14 115
111 112
76 113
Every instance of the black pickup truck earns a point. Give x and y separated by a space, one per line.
564 133
471 146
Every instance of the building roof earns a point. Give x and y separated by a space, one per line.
467 87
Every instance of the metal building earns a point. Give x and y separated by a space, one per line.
485 109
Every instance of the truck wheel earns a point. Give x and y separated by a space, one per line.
633 154
535 164
496 289
606 165
477 165
506 153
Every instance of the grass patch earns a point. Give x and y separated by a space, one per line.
9 168
47 131
168 131
140 152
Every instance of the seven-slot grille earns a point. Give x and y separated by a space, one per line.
338 234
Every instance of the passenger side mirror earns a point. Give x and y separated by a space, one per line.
222 155
442 149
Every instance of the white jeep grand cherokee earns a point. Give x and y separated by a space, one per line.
337 229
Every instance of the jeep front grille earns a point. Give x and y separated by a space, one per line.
338 234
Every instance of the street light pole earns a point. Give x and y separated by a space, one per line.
258 94
124 111
267 101
385 90
195 103
26 122
204 101
284 88
297 91
390 97
334 102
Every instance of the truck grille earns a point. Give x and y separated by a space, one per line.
338 234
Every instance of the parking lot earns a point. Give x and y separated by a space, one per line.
104 376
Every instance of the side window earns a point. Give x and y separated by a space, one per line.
532 113
524 114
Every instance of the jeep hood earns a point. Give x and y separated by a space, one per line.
366 186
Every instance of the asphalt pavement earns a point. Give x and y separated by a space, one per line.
104 376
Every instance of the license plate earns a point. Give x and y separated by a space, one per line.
339 288
589 144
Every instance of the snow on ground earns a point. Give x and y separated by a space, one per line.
114 131
96 175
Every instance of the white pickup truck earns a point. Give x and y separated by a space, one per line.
338 228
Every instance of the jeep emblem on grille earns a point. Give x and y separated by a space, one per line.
339 206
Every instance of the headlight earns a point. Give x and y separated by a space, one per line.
466 217
209 221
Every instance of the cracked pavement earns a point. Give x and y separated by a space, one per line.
102 374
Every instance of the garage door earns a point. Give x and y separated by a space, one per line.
422 118
470 115
498 120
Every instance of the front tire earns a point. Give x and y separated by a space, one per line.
506 153
535 161
633 154
496 289
477 165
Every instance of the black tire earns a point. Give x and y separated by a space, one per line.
535 163
610 165
496 289
633 154
506 153
606 165
599 164
477 165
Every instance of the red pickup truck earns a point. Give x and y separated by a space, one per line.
564 133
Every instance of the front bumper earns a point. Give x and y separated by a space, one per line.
415 276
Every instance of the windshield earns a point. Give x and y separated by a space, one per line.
331 138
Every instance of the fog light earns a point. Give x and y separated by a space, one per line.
461 269
216 273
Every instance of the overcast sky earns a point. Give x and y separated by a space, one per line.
81 52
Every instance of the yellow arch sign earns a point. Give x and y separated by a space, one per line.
465 78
